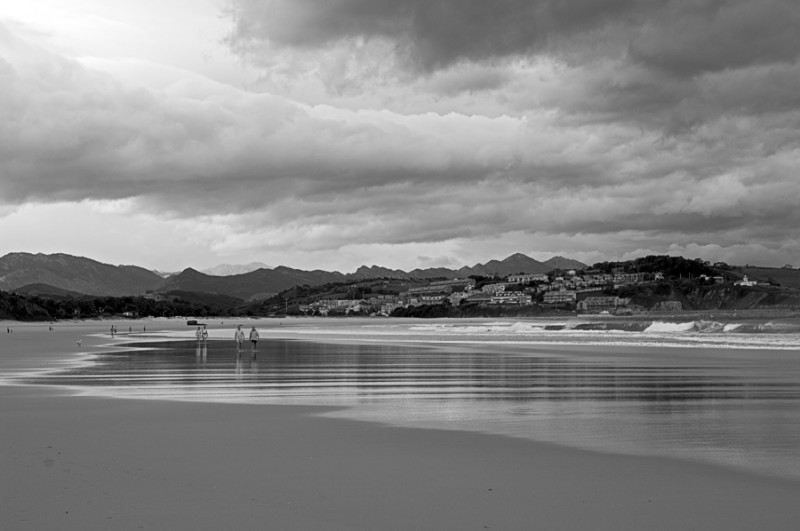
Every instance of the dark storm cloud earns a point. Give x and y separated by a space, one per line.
668 64
682 37
433 33
688 38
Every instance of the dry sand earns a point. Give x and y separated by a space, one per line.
75 462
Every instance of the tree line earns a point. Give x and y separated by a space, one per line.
38 308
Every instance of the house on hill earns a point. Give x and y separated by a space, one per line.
602 304
497 287
526 278
561 296
511 297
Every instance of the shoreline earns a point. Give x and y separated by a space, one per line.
81 462
682 316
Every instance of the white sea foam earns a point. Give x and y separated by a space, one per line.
691 334
660 326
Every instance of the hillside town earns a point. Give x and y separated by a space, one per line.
65 287
588 291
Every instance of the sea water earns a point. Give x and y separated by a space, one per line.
693 390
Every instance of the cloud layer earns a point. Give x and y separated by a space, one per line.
602 127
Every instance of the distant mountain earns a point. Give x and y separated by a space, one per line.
64 275
373 272
559 262
226 270
263 283
46 290
74 273
514 264
260 283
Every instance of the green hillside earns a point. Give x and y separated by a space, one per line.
788 278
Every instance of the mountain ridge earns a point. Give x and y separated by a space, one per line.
559 262
226 270
75 274
81 275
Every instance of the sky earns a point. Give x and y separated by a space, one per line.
329 134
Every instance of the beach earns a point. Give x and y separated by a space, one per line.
90 462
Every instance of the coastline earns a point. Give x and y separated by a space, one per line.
79 462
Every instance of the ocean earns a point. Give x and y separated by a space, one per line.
725 393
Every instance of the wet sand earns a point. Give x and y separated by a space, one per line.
77 462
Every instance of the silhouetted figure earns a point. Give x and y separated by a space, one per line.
254 340
238 336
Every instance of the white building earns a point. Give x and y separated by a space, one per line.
524 279
745 282
600 304
511 297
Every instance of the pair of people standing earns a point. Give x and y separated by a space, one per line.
238 336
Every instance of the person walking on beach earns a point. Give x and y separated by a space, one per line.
254 340
204 334
198 334
238 336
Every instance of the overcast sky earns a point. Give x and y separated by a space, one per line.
404 133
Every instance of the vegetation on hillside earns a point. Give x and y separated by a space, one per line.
689 282
42 308
669 266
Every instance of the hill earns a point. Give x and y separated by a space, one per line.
559 262
20 308
45 290
65 275
374 272
75 274
789 278
213 300
260 283
514 264
669 266
225 270
264 283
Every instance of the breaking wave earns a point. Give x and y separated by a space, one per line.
666 327
680 333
